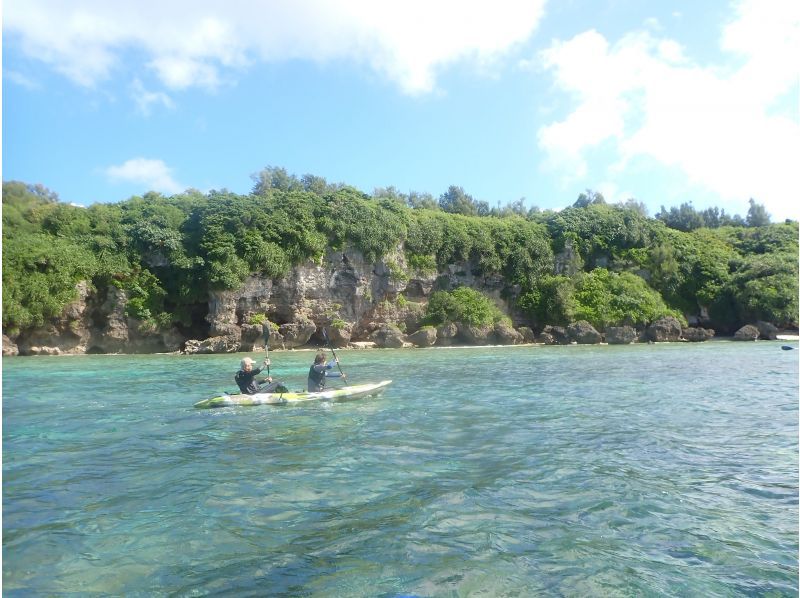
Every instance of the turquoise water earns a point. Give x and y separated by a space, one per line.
652 470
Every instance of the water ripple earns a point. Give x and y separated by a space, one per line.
645 470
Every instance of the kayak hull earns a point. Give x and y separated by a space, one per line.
336 395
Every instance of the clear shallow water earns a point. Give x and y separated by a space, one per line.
518 471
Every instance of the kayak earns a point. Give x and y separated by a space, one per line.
345 393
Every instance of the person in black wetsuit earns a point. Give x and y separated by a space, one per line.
319 371
246 379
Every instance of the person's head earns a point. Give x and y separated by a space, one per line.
247 364
320 358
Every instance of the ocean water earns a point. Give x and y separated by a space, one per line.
646 470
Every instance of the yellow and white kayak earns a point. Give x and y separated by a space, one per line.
346 393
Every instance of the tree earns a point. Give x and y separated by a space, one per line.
456 201
757 214
589 198
684 218
273 177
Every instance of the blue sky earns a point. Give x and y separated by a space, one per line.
664 102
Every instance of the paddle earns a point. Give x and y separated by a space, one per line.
265 329
328 342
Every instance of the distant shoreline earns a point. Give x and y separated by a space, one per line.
780 337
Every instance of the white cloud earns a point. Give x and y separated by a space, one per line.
190 43
723 126
145 99
21 80
153 175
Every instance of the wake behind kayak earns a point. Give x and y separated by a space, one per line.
346 393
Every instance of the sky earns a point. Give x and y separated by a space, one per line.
661 102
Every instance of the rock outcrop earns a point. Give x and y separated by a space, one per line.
446 334
697 334
664 330
504 334
767 331
621 335
10 348
747 332
558 334
341 299
475 335
584 333
424 337
388 337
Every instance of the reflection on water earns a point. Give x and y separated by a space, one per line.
641 470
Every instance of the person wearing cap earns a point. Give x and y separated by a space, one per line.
246 378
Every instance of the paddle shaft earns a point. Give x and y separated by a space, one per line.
327 340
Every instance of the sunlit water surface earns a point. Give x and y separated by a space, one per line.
576 471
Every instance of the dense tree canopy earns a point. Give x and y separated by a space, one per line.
167 253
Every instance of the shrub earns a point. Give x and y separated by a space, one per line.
464 305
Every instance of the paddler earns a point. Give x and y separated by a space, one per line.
321 370
246 378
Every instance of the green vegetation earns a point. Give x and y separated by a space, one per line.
606 263
464 305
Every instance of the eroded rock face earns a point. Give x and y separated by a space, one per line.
215 344
559 335
664 330
475 335
446 334
388 337
70 333
697 334
621 335
746 333
584 333
339 336
424 337
298 333
527 334
767 331
10 348
506 335
545 338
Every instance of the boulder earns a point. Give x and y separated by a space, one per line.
446 334
9 347
388 337
424 337
252 335
172 339
767 331
697 334
475 335
297 333
621 335
527 334
214 344
546 338
584 333
746 333
559 334
504 334
35 350
339 336
664 330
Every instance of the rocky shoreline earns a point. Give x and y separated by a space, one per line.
356 303
666 330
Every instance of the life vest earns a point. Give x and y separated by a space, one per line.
315 377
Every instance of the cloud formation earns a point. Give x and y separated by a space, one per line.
198 43
728 129
152 175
